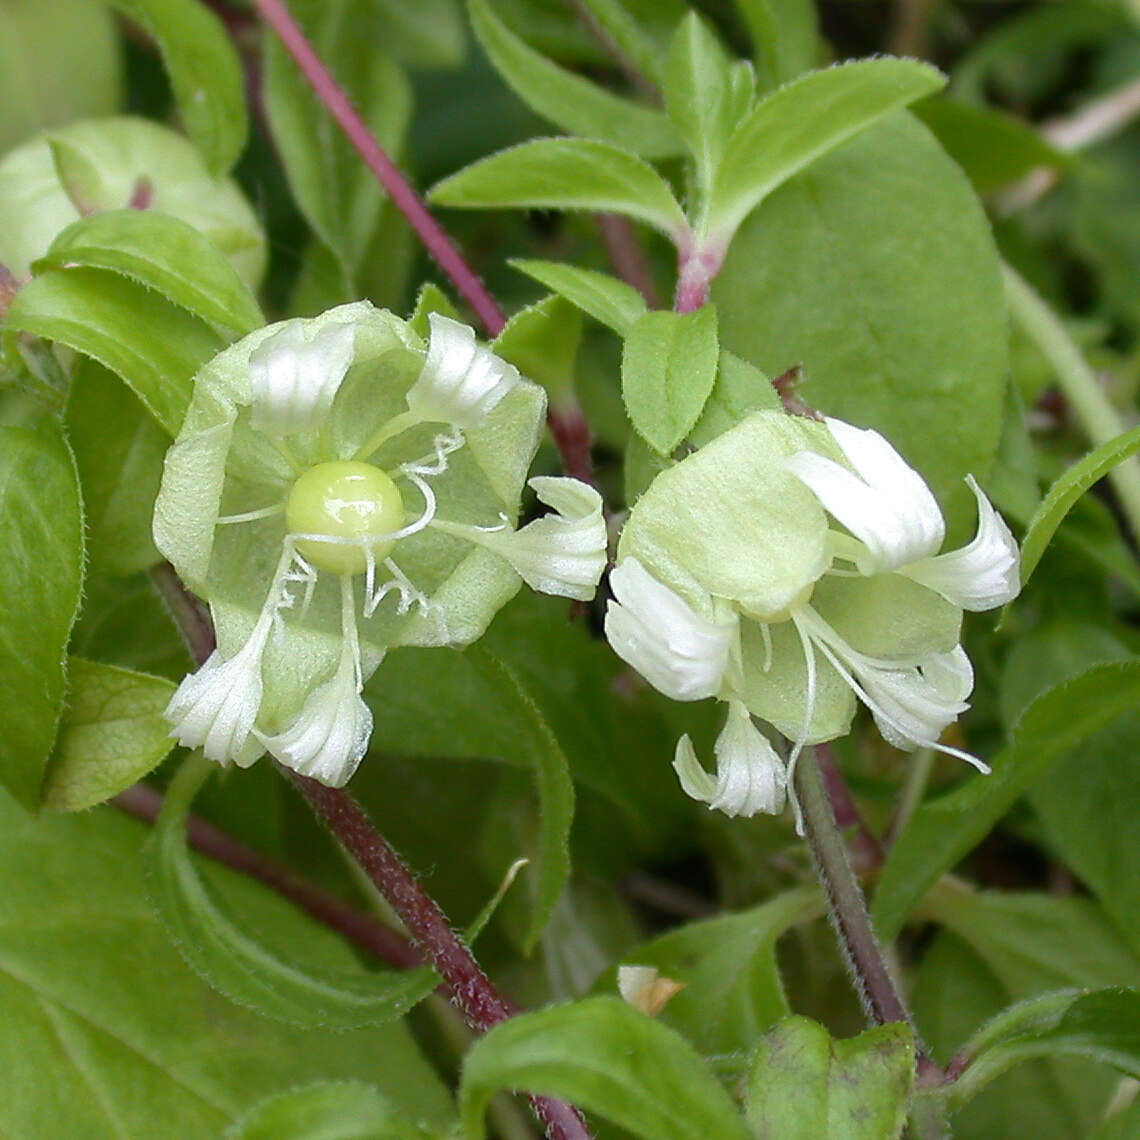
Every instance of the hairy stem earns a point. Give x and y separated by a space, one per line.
866 851
848 910
470 989
1098 417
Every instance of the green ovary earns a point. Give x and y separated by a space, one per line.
344 500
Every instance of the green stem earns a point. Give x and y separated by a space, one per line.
848 910
920 766
1098 417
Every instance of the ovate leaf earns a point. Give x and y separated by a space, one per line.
542 342
205 73
566 174
799 123
667 371
876 270
609 301
804 1084
166 254
567 100
153 345
41 573
226 953
605 1057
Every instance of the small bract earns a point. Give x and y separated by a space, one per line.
339 489
733 582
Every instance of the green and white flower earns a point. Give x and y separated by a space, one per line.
338 490
731 582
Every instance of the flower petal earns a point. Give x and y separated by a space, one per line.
980 576
294 376
329 736
562 553
214 709
750 776
885 503
461 381
680 653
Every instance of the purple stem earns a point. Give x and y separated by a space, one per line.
469 988
404 198
696 269
627 257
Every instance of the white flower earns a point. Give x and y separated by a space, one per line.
680 653
750 776
981 576
562 553
294 375
461 381
330 735
912 701
890 510
214 708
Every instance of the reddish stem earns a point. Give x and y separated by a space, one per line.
469 988
866 851
404 198
627 257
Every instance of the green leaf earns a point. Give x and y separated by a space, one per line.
993 148
1067 490
431 299
941 832
165 254
429 33
605 1057
330 1110
566 174
153 345
221 948
204 70
118 451
609 301
740 389
800 123
700 95
876 270
668 367
733 991
438 703
542 342
336 192
41 574
112 733
107 1034
567 100
1102 1026
804 1085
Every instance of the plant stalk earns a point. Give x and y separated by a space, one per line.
848 910
1099 419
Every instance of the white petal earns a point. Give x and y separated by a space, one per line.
330 734
461 381
562 553
680 653
912 701
885 503
981 576
294 376
750 775
215 708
